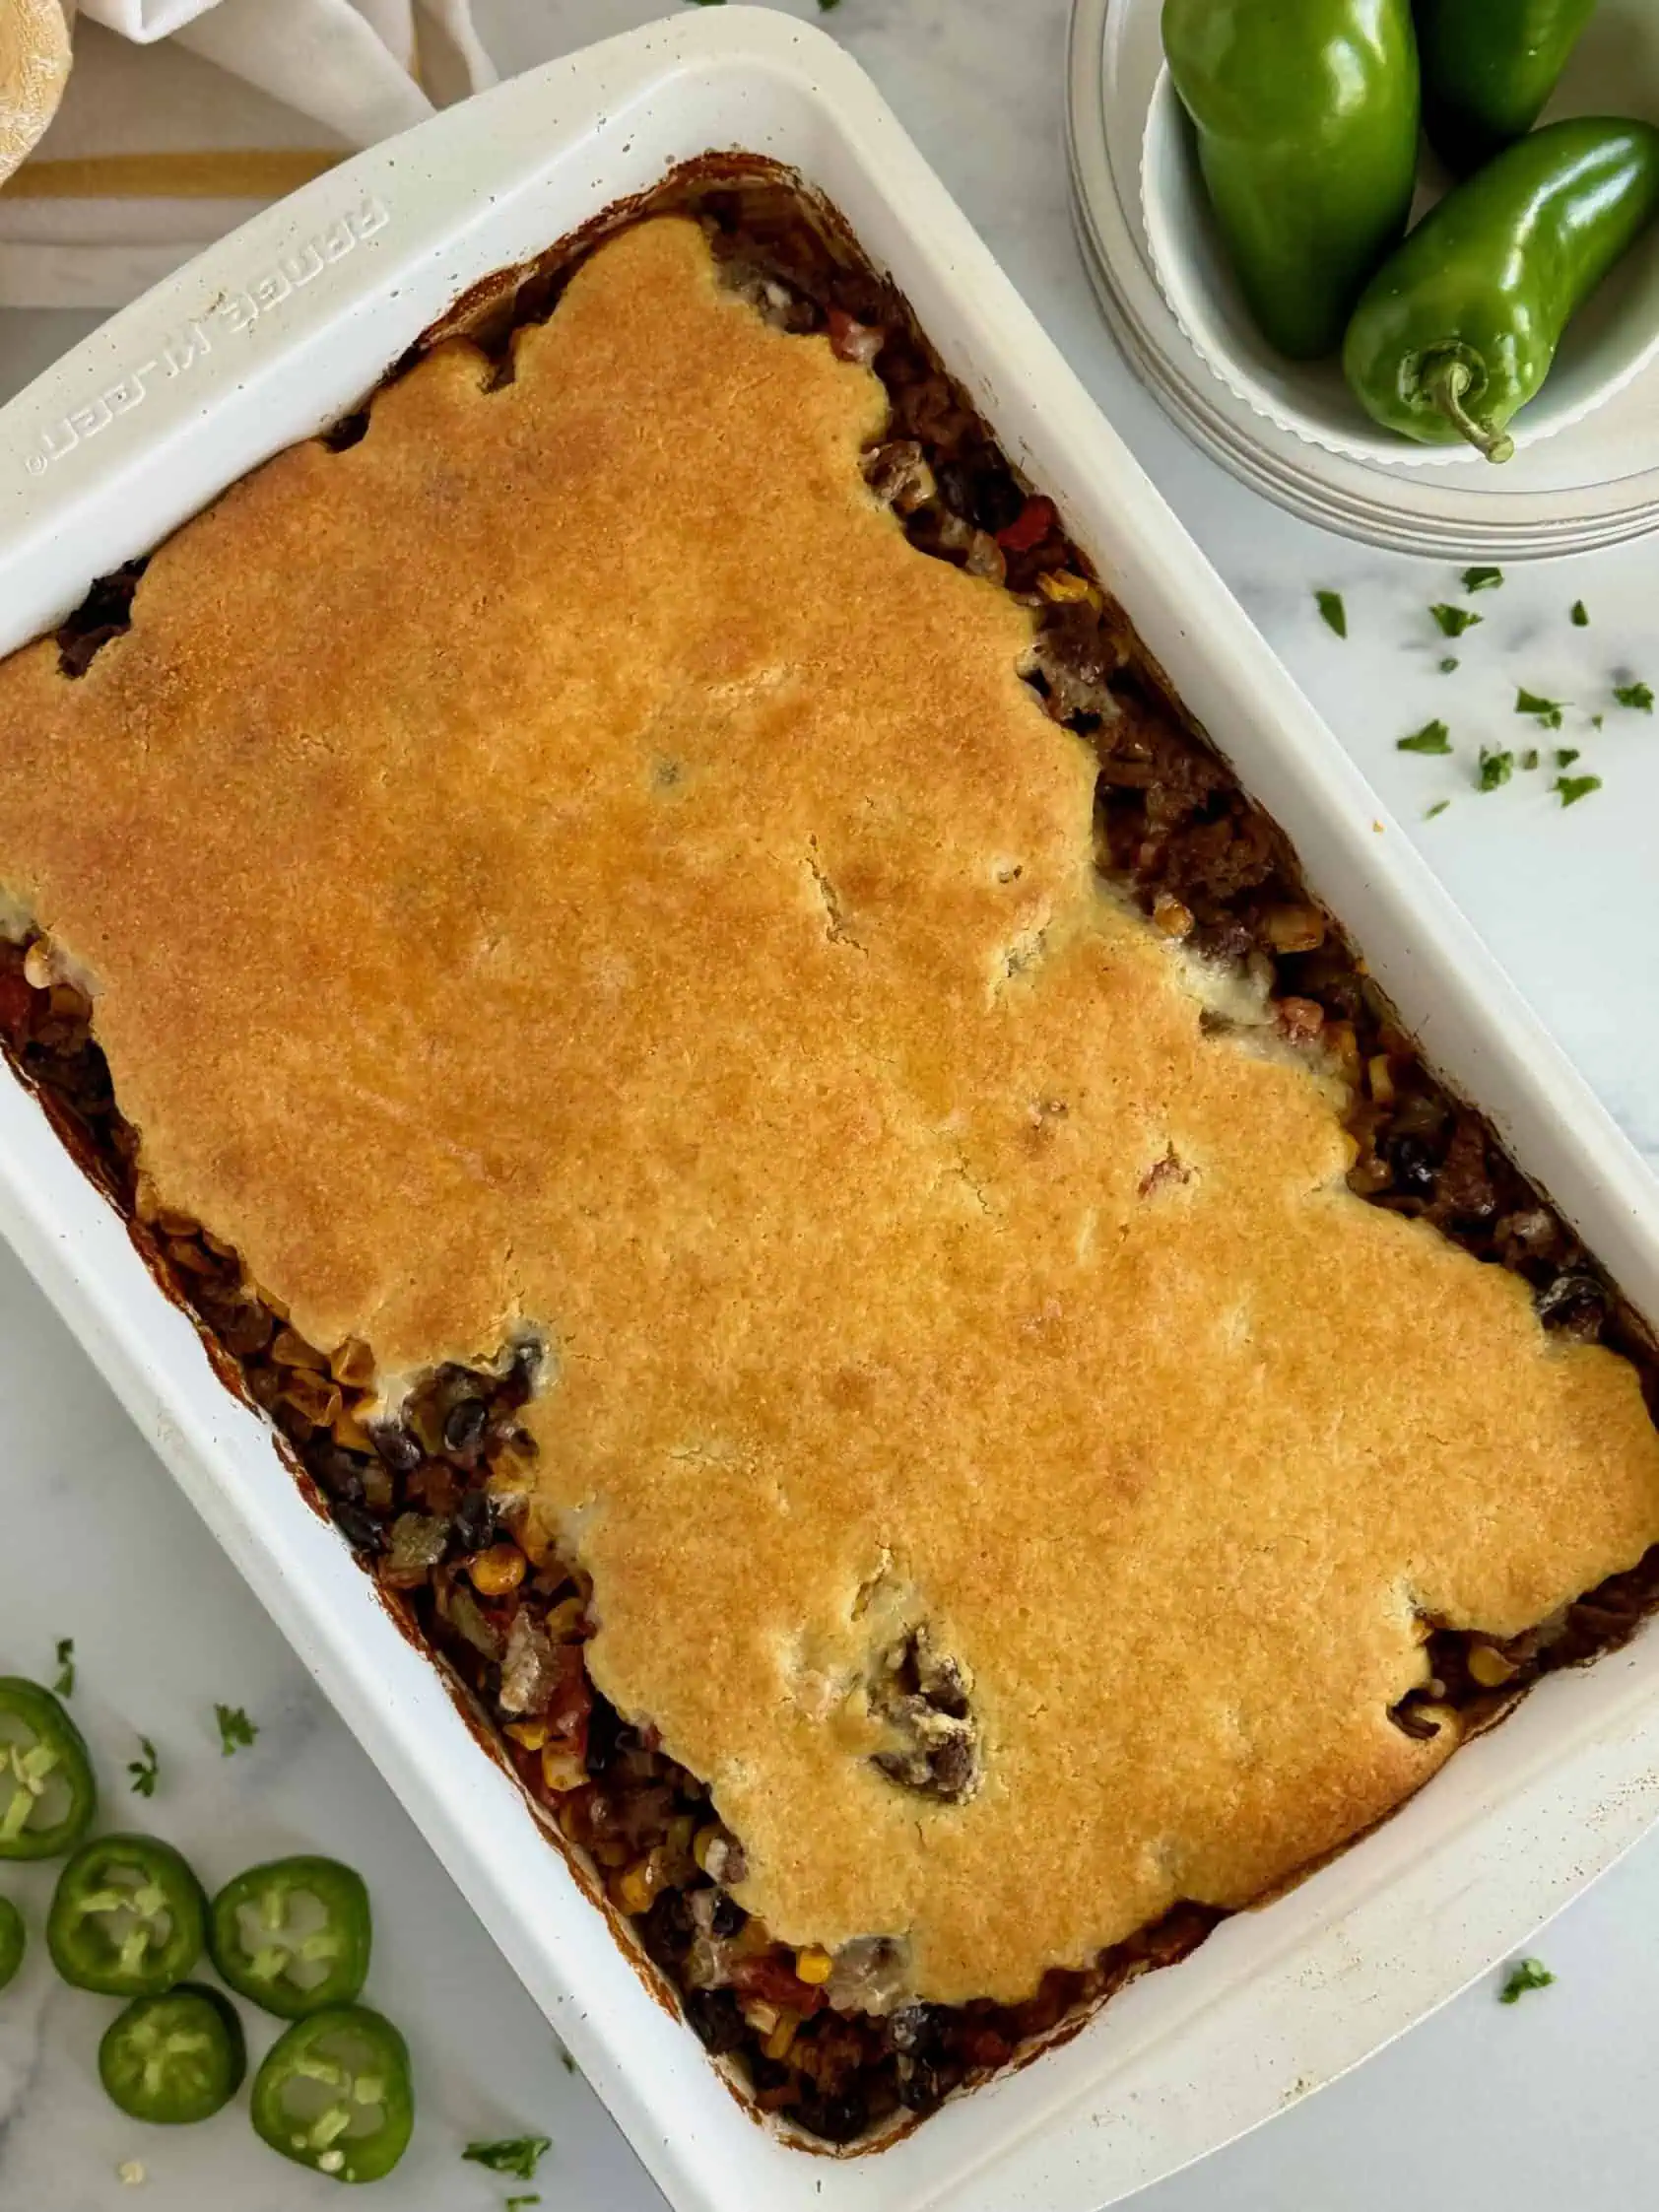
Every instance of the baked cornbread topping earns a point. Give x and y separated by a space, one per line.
654 923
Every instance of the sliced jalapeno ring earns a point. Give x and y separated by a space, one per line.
334 2092
13 1941
175 2058
128 1917
47 1795
293 1935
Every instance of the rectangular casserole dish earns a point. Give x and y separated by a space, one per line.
281 331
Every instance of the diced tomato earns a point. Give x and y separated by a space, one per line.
1033 522
776 1984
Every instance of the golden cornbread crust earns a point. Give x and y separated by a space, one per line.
567 859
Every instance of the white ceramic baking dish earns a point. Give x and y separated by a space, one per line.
281 328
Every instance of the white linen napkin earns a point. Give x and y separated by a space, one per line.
196 113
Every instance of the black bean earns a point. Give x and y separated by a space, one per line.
728 1918
840 2118
605 1734
666 1930
951 1766
1414 1166
475 1521
337 1470
915 2029
715 2020
1574 1307
997 500
464 1424
360 1528
921 2085
398 1446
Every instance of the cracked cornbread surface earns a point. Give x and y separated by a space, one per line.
568 859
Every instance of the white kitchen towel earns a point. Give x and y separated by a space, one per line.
198 112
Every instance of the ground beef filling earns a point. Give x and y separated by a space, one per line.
434 1503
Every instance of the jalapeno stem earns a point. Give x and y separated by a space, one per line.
1447 386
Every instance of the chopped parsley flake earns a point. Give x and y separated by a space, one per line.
1565 755
518 2203
1330 602
1572 788
144 1769
1547 711
1524 1974
235 1730
1580 615
1454 621
1450 662
1495 768
64 1686
1596 721
517 2155
1439 807
1637 696
1433 737
1481 579
1529 758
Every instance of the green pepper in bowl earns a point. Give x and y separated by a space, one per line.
1488 68
1306 119
1460 327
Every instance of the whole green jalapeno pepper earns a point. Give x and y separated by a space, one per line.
1306 115
1488 68
1459 328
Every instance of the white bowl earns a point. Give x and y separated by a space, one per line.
1612 341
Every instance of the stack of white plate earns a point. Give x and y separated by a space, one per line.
1595 483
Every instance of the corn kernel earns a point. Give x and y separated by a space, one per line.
561 1770
1489 1666
776 2044
1173 917
1344 1047
813 1966
705 1837
563 1625
1061 585
532 1734
1294 929
632 1890
497 1571
1381 1078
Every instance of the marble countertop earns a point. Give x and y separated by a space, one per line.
1495 2108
